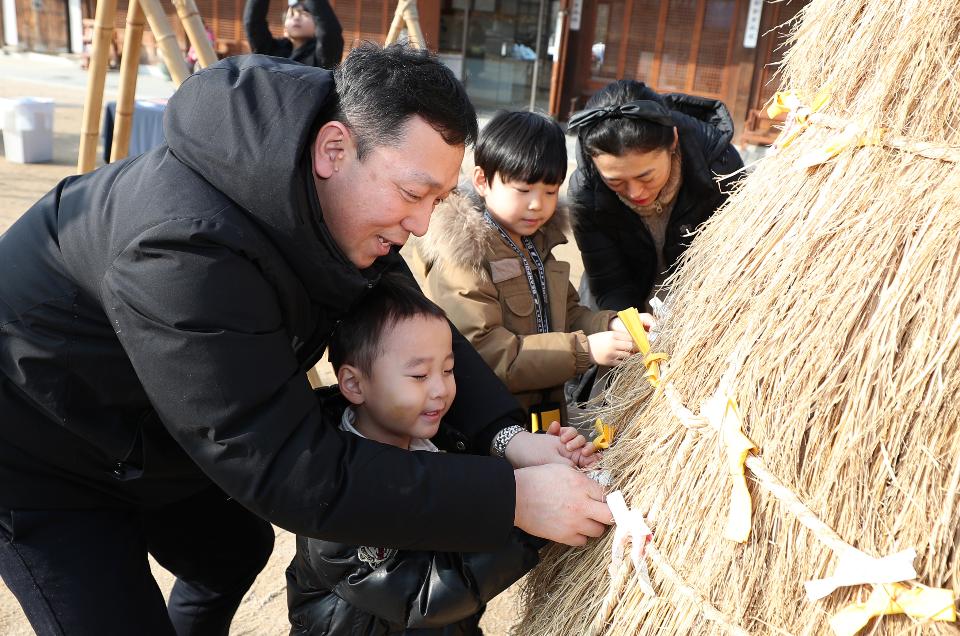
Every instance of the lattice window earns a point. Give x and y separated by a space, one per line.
715 47
642 42
675 55
611 51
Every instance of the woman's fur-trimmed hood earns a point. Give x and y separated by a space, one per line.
460 235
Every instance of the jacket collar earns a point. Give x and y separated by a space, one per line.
460 235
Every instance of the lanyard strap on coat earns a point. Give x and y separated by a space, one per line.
541 302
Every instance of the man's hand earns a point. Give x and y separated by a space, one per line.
561 504
558 446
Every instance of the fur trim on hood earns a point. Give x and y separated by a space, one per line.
459 234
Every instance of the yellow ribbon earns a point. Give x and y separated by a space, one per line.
604 436
920 602
721 409
789 103
631 320
853 136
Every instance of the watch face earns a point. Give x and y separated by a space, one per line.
374 556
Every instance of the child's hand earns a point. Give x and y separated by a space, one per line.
649 322
610 348
583 454
528 449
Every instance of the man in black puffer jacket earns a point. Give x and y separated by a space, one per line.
157 318
646 179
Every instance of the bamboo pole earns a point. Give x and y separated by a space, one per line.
129 65
406 13
93 103
166 41
193 25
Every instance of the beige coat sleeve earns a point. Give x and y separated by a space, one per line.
580 318
523 363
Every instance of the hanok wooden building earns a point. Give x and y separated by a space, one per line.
548 54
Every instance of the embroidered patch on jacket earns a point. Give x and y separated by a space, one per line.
505 268
374 556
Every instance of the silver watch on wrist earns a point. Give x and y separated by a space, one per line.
498 448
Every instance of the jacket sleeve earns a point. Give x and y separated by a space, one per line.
609 277
417 589
255 25
203 330
522 362
328 31
580 318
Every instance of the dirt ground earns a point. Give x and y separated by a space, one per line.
263 610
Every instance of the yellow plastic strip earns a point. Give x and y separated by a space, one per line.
604 436
722 411
919 602
631 320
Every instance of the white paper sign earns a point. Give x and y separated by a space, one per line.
753 24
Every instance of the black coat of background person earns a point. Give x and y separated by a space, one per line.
157 317
324 50
619 258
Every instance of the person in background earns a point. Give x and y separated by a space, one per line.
394 362
312 34
489 263
647 178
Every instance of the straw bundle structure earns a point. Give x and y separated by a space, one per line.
829 295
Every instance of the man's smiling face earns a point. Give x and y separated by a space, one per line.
369 205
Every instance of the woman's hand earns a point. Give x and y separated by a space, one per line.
610 348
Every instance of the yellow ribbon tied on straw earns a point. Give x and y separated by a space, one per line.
919 602
604 436
722 411
853 136
789 103
631 320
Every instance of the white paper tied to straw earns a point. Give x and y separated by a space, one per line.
857 568
633 527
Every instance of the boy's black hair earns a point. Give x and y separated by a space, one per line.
379 89
621 135
522 146
358 338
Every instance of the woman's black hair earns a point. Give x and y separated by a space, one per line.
621 135
522 146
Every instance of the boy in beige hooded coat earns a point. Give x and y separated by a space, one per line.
488 262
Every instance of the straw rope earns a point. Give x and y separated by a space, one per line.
699 424
622 575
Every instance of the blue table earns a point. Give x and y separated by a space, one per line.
147 129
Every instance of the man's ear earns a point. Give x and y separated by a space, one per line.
480 183
676 139
350 380
331 149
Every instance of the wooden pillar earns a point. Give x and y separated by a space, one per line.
93 103
129 65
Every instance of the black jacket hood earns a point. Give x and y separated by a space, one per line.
246 125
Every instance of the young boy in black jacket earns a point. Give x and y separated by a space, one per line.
394 364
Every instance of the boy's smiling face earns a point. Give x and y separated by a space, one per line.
520 208
410 386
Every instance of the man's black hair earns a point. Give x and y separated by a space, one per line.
379 89
621 135
522 146
358 338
